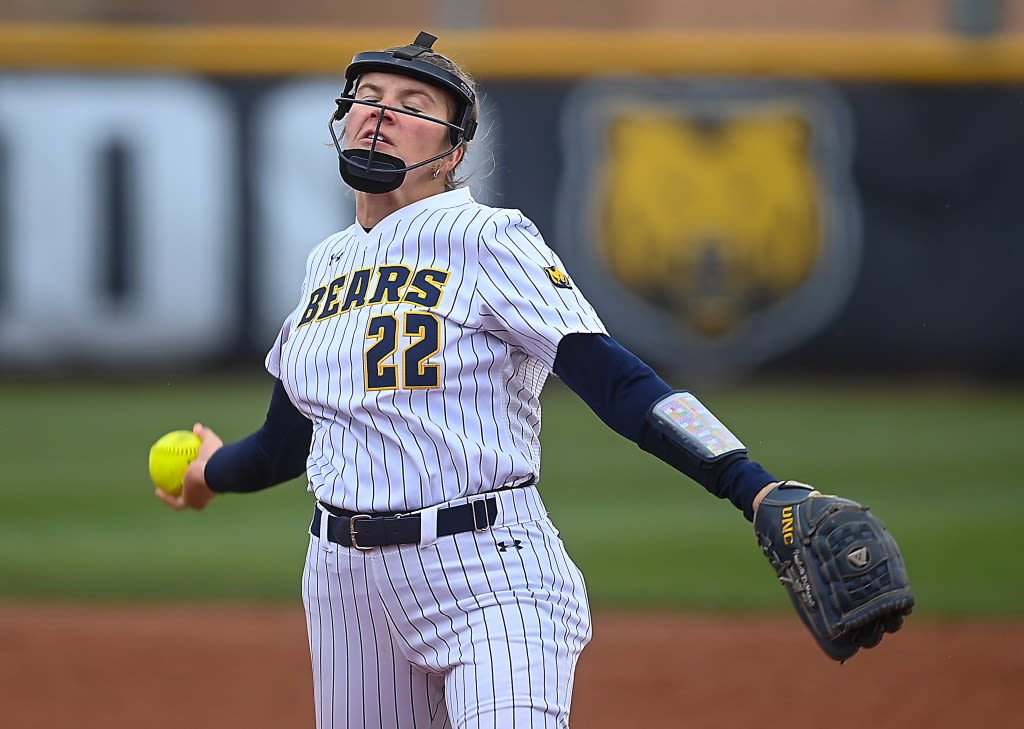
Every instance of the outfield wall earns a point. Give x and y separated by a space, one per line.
732 203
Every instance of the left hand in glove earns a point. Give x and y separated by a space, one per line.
840 566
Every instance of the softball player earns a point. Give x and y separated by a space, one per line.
408 377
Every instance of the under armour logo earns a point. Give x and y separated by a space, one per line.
859 557
517 543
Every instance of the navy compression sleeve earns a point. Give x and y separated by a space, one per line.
621 389
273 454
617 385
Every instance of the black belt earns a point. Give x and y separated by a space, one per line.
366 531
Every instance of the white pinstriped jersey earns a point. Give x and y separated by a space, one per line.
419 351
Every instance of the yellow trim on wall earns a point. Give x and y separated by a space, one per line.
525 54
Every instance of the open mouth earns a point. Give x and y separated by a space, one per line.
369 138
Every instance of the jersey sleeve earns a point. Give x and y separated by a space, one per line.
273 360
523 294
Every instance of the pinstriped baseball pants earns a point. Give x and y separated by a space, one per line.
479 629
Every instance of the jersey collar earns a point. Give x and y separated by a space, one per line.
440 201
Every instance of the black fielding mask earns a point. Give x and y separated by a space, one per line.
368 170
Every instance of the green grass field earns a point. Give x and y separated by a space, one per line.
941 466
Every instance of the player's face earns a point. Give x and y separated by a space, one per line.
401 135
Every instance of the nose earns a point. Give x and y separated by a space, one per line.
376 111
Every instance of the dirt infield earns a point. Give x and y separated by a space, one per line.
241 666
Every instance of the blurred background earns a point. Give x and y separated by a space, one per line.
841 15
808 212
805 188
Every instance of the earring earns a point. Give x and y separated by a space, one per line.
437 171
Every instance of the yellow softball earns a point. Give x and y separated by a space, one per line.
170 456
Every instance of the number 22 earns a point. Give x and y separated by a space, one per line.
416 370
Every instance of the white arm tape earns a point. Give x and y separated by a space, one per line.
683 417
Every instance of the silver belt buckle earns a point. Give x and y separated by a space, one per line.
479 525
352 531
